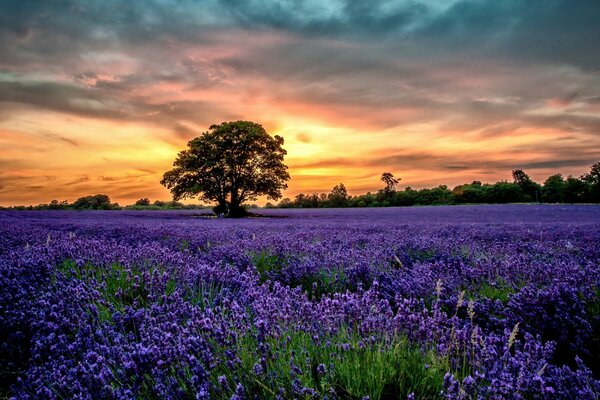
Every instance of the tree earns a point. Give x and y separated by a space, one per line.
229 164
338 197
390 182
143 202
97 202
286 203
56 205
529 187
593 181
469 193
505 192
520 177
385 195
554 189
575 190
593 177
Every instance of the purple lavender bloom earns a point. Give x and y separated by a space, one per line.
113 305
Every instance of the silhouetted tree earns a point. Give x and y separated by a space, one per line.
530 189
56 205
576 190
593 176
286 203
385 195
554 189
521 189
390 182
338 197
470 193
505 192
593 181
143 202
229 164
97 202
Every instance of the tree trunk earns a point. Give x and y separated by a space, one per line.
236 210
235 206
221 208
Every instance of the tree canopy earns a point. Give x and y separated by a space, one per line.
390 182
230 164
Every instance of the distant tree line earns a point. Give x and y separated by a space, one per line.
522 189
102 202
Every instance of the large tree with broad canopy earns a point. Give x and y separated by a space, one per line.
230 164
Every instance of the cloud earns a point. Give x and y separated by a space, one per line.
303 137
473 161
81 179
60 138
449 87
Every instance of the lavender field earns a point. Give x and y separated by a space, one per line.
498 302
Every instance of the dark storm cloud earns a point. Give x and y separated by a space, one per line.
562 31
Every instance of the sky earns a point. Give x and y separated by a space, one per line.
99 96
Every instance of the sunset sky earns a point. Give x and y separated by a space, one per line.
99 96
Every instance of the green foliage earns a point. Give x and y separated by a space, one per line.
97 202
575 190
166 205
266 263
554 189
143 202
229 164
388 367
531 190
593 305
421 254
204 294
338 197
592 180
522 189
120 286
326 280
499 290
500 192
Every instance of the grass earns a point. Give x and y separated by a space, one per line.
326 280
267 263
203 294
390 367
123 287
593 306
119 286
421 254
500 289
387 367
